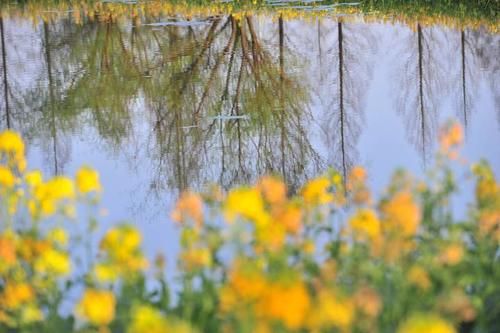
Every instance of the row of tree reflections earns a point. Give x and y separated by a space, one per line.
228 99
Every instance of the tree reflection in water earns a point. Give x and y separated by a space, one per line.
228 98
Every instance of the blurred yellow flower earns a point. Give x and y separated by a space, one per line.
106 273
418 276
248 203
16 295
30 314
34 178
7 251
316 191
451 135
364 224
58 236
7 178
11 142
332 310
189 207
287 303
451 254
146 319
290 217
122 253
368 301
196 258
53 262
426 323
87 180
97 307
401 215
274 190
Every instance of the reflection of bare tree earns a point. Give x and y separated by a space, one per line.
344 105
467 78
422 88
230 117
59 147
4 72
486 48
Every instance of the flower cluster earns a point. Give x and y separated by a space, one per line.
328 258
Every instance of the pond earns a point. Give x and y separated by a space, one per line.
160 103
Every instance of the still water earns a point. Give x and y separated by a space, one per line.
174 104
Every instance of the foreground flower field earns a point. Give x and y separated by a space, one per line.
331 258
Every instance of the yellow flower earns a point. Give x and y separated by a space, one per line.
291 218
247 203
34 178
316 191
121 247
428 323
274 190
402 215
106 273
87 180
419 277
12 145
97 307
196 258
146 319
452 254
288 303
30 314
7 251
15 295
452 135
48 195
332 310
53 262
7 179
58 236
11 141
365 224
189 206
368 301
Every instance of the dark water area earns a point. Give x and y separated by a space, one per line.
161 107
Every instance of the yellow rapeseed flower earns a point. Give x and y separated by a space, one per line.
196 258
401 214
58 236
291 218
364 224
146 319
53 262
11 142
34 178
189 207
452 254
87 180
97 307
418 276
7 251
316 191
7 178
248 203
106 273
15 295
287 303
452 135
332 310
274 190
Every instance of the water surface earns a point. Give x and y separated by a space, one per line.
170 103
